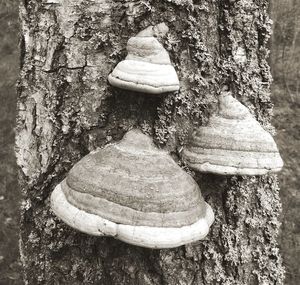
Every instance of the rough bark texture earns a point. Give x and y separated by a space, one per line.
66 109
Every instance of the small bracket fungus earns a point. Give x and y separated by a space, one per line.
233 143
133 192
147 67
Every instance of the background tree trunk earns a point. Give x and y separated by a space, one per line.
66 109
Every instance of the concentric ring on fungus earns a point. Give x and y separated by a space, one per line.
135 192
147 67
233 143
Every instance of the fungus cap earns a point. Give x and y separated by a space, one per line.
233 143
134 192
147 67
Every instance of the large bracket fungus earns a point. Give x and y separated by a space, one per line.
134 192
147 67
233 143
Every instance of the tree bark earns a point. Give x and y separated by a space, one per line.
66 109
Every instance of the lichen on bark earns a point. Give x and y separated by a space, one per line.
66 109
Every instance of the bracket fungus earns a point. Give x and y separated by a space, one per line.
233 143
147 67
133 192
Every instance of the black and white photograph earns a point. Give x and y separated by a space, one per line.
149 142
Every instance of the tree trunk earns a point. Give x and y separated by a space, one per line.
67 108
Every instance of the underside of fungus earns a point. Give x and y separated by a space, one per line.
134 192
233 143
147 67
